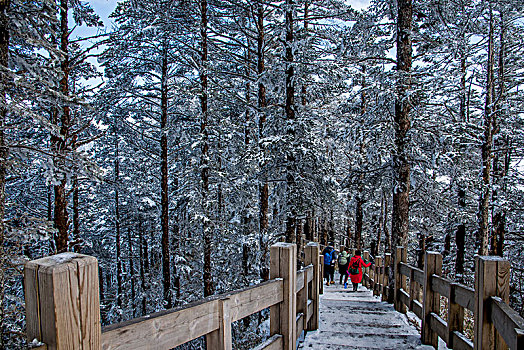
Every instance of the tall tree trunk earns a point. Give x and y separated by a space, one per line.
61 217
290 118
359 217
263 188
207 229
166 260
4 61
76 215
117 220
487 142
131 270
144 266
501 144
400 217
380 223
387 235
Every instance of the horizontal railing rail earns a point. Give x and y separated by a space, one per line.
496 324
63 309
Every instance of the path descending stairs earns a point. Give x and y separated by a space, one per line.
358 320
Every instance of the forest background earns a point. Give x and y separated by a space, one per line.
177 144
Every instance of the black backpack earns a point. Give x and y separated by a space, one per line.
353 269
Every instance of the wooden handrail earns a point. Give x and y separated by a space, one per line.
63 307
489 304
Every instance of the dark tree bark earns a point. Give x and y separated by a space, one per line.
117 220
166 254
207 230
4 61
76 215
387 236
359 217
290 118
487 143
61 216
460 240
131 269
262 104
144 266
501 159
400 217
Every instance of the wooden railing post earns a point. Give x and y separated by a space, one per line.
385 278
491 279
380 276
365 255
62 301
283 315
431 302
221 338
455 315
321 279
400 280
312 258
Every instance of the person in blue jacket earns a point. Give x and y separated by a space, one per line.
330 257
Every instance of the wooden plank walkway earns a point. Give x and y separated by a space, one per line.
358 320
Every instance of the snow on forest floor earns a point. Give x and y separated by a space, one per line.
358 320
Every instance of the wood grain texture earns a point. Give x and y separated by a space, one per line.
431 301
440 285
255 298
439 326
164 330
312 257
485 286
275 342
285 322
455 315
465 297
507 322
385 277
400 280
300 281
460 342
63 307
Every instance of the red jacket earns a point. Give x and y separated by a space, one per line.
358 277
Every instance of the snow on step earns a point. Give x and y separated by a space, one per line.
358 320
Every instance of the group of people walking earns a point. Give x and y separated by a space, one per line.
348 266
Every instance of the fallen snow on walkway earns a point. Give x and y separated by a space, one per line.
358 320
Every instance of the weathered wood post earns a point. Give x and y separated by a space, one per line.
62 301
312 258
431 302
455 315
365 270
400 280
378 277
321 279
302 299
491 279
283 315
221 338
385 278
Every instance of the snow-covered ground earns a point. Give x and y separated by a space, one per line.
358 320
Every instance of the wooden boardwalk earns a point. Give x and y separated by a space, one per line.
358 320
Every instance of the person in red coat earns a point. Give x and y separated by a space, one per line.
355 269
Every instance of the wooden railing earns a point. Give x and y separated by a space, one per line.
496 325
63 308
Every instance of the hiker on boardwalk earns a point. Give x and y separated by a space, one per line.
330 256
355 269
343 264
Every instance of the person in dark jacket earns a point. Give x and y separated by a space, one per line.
343 263
355 269
330 257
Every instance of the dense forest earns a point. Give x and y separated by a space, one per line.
178 144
